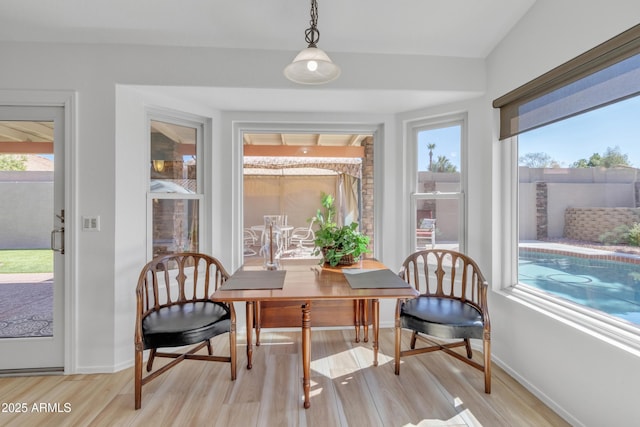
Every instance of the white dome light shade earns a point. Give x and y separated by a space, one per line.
312 66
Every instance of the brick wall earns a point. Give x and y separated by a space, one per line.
366 222
542 229
171 218
589 224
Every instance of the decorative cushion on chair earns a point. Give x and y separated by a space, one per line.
184 324
442 317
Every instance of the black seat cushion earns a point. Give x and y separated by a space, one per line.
442 317
184 324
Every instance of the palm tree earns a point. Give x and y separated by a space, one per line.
431 147
444 165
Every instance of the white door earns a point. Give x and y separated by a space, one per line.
32 239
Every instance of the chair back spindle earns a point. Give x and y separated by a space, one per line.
445 274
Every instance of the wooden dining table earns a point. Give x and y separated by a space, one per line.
308 282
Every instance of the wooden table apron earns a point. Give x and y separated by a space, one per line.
308 282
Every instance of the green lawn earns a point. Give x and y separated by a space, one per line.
26 261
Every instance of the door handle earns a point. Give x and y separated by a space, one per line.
54 247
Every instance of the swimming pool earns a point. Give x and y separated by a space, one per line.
609 286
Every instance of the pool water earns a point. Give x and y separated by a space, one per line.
608 286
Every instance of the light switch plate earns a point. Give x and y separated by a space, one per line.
91 223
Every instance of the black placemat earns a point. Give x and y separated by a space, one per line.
373 279
258 279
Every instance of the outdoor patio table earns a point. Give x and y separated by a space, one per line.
286 229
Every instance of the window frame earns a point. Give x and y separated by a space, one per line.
615 331
239 125
199 124
413 129
610 329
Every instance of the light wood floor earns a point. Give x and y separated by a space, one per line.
346 390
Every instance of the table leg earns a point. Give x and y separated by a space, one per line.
365 317
257 322
249 306
306 351
357 307
375 307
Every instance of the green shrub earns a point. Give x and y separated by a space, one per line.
618 235
634 235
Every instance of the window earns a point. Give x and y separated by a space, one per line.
175 187
579 211
575 130
437 203
286 174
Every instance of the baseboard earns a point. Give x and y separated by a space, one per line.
90 370
31 372
537 392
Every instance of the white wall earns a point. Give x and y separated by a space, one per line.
115 84
563 364
589 380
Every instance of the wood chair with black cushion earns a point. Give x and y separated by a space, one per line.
452 306
174 310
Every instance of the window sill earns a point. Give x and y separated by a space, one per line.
618 333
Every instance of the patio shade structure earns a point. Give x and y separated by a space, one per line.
293 186
346 165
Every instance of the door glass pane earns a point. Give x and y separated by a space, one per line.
173 158
26 260
175 226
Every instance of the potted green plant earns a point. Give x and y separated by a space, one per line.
338 245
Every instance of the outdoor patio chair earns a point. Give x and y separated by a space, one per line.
302 236
426 232
452 306
174 310
249 238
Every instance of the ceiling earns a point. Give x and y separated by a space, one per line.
26 131
302 144
26 137
459 28
21 132
450 28
306 139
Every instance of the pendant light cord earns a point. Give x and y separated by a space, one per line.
311 34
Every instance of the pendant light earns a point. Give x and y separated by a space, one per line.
312 66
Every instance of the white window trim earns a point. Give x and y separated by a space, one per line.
240 127
413 128
200 124
614 331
